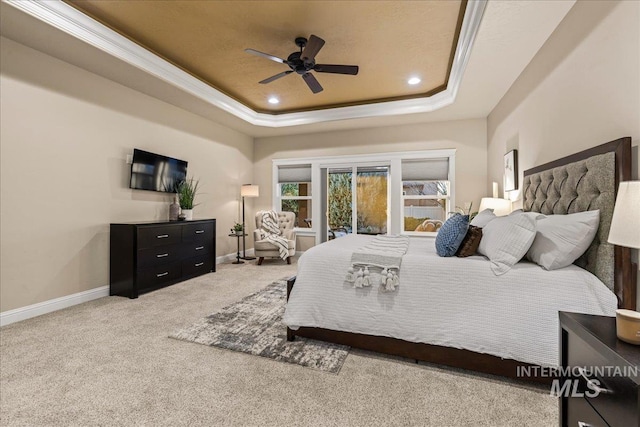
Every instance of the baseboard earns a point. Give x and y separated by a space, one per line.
23 313
34 310
231 257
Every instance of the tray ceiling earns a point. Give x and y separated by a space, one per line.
390 41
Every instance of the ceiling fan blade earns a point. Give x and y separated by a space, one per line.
312 82
312 48
276 77
265 55
337 69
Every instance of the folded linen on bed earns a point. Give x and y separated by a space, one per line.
378 263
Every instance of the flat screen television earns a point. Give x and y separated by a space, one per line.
155 172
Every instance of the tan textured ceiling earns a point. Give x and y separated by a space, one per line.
389 40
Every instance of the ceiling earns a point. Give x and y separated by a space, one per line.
510 34
207 39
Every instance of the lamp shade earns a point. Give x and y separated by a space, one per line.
625 224
250 190
500 207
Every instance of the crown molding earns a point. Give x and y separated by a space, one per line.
73 22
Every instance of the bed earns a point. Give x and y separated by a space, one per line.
455 311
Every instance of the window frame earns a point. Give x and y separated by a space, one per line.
281 198
396 199
446 197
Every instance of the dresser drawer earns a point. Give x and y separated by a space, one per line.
159 255
197 248
581 414
155 276
197 232
157 236
197 265
618 403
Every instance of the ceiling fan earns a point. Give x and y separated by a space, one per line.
304 61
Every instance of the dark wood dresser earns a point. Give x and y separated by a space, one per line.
148 256
604 373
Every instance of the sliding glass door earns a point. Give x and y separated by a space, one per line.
372 199
357 200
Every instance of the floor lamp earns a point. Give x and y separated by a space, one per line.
247 190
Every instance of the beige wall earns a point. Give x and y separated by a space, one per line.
581 89
467 136
63 144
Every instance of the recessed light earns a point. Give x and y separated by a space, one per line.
273 100
414 80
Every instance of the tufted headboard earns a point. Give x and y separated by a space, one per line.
586 181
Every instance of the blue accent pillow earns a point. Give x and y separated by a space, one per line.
451 234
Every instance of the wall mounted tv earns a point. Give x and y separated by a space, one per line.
155 172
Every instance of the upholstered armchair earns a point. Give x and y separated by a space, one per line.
264 248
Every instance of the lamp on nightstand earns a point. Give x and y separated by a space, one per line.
500 207
247 190
625 231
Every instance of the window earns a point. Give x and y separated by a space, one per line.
294 192
426 195
357 207
408 192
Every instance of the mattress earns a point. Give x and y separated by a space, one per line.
453 302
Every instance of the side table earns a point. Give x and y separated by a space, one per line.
603 373
237 236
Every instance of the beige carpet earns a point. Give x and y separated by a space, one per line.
109 362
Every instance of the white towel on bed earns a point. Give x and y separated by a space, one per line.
378 263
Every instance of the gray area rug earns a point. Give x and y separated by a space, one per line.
254 325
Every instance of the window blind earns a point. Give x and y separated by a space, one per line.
425 170
296 173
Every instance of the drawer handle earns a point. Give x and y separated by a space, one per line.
199 248
162 274
162 236
199 231
199 264
593 386
161 255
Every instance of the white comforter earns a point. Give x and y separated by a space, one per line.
453 302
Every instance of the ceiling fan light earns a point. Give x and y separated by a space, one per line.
414 80
273 100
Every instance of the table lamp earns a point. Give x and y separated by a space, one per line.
625 231
247 190
500 207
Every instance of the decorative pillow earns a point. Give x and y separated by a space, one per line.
483 218
470 243
451 234
562 239
506 239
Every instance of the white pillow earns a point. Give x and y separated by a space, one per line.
562 239
506 239
534 215
483 218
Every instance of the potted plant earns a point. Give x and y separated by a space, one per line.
466 210
187 191
237 229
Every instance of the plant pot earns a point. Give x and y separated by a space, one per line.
188 214
238 232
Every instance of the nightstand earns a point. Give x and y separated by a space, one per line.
604 373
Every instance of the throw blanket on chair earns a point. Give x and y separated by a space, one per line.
378 263
273 234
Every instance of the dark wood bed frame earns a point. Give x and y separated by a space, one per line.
624 288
